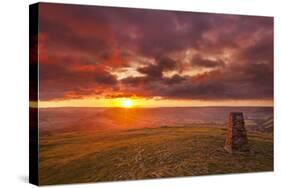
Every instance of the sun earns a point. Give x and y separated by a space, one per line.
127 103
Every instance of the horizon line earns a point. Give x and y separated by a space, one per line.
212 106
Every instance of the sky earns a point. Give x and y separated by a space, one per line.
99 56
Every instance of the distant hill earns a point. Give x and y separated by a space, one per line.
268 124
92 119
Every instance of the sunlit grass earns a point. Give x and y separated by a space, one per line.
146 153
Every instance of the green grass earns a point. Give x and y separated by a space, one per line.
147 153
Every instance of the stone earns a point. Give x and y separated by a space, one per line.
236 135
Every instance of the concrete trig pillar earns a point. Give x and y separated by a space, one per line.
236 136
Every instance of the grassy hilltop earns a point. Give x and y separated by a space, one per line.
77 157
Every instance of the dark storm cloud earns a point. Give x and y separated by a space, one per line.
259 51
135 81
234 82
197 60
84 45
119 95
241 82
175 79
153 33
156 70
64 78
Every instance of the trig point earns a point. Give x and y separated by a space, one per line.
236 136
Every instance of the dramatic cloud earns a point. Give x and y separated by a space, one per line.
120 52
156 70
59 80
200 62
